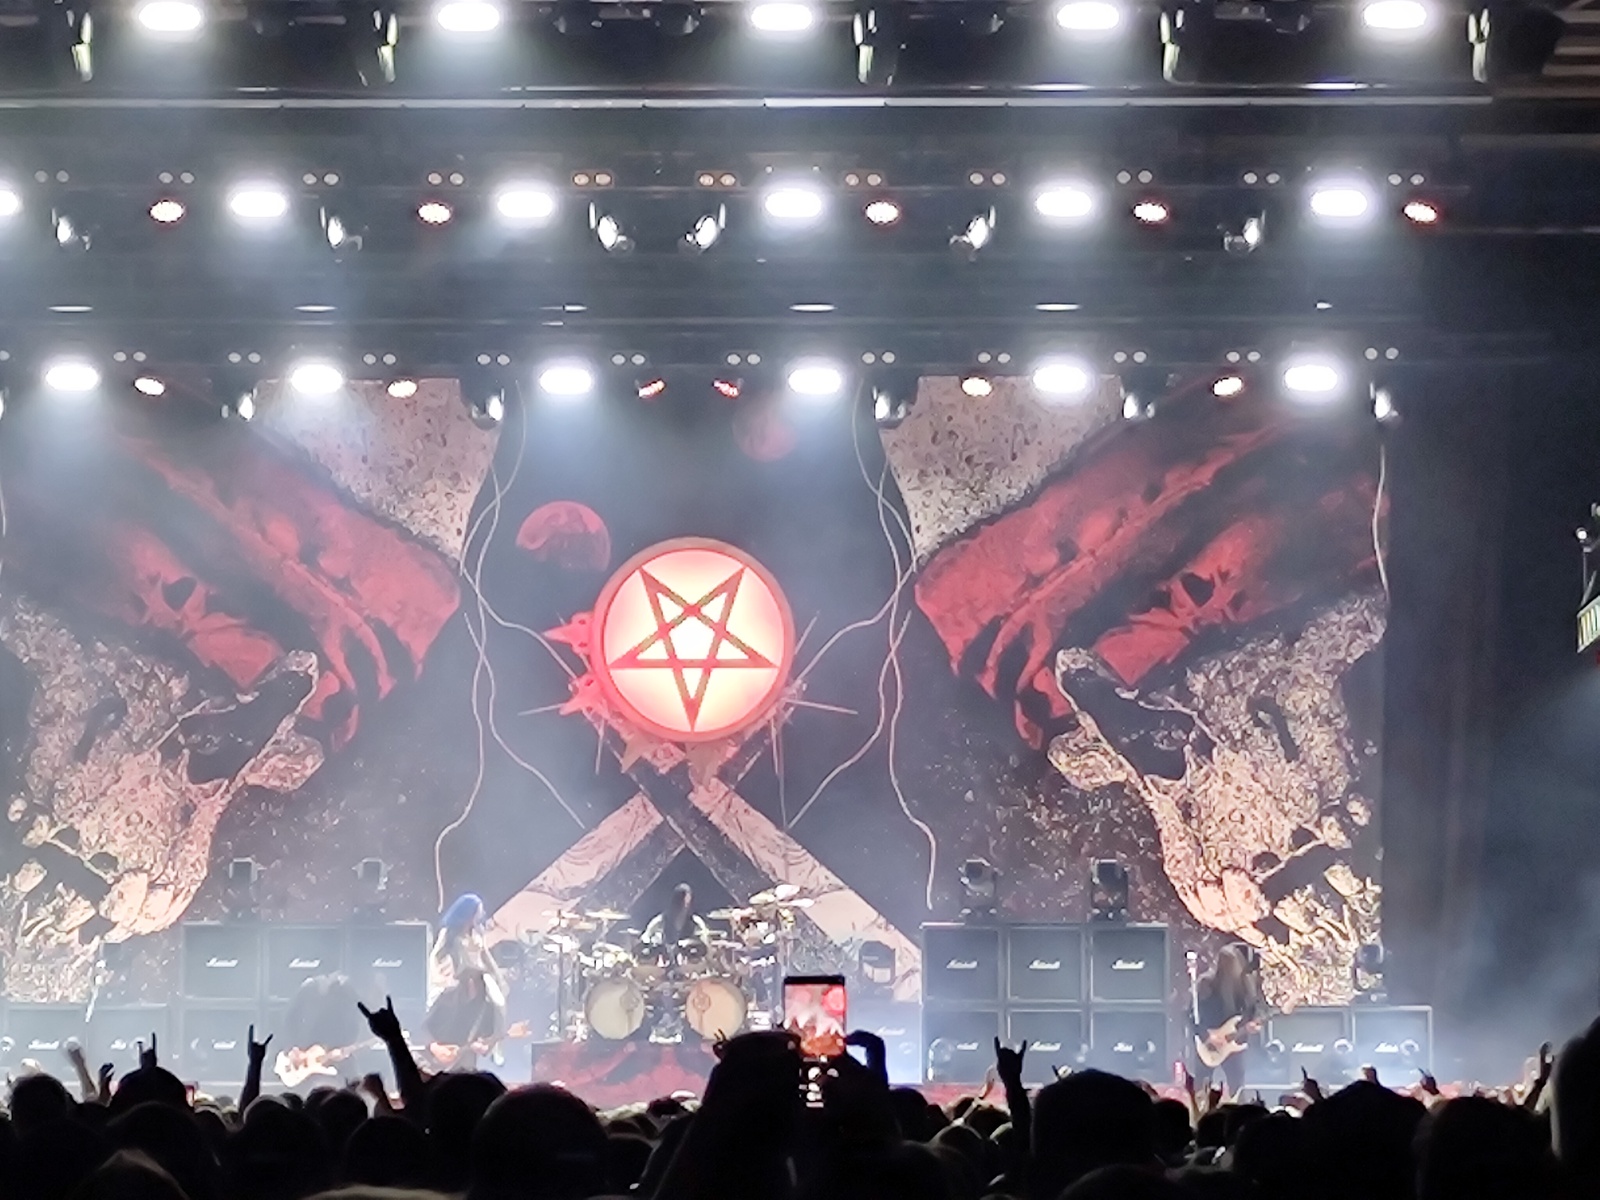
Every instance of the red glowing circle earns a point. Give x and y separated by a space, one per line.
693 640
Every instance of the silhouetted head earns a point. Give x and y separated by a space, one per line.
538 1143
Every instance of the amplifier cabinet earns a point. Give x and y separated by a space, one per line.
1128 963
1301 1040
899 1024
1056 1037
1130 1041
296 953
961 964
221 961
388 960
1396 1039
117 1031
212 1042
958 1043
41 1032
1044 963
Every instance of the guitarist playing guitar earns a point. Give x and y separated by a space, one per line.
1227 1011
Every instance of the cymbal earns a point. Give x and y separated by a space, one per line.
786 891
781 894
560 942
568 919
730 914
606 914
762 899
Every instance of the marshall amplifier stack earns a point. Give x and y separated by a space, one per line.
1333 1044
236 975
1079 994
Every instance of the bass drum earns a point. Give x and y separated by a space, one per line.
715 1008
614 1008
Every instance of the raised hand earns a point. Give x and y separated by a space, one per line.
1008 1063
877 1052
108 1071
1310 1086
383 1023
1370 1074
147 1054
1430 1085
256 1050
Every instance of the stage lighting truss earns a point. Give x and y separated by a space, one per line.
880 35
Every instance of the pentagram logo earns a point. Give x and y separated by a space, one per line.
693 640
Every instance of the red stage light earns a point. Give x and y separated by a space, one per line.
649 389
728 389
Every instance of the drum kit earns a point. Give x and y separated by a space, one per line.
614 983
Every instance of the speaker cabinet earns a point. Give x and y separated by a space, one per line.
958 1044
116 1032
1044 963
1056 1037
1128 963
1396 1039
1129 1041
389 960
213 1041
961 964
899 1024
1301 1040
296 953
221 962
41 1032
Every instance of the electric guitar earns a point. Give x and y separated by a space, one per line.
1217 1046
294 1066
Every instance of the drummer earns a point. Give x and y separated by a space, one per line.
678 922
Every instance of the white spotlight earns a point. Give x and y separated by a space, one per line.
794 204
495 407
402 389
1088 16
316 378
1151 212
1312 378
978 234
434 212
977 386
882 212
815 378
1227 387
167 212
149 385
333 228
1395 17
75 375
525 204
1383 408
467 16
1063 378
782 16
258 203
246 408
10 202
1340 202
1420 212
703 234
1132 410
170 16
1064 202
566 378
608 231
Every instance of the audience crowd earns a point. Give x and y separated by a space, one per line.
1087 1136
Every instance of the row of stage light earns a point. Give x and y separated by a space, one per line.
1344 200
1381 31
1312 379
1092 19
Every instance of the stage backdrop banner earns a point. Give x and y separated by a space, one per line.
610 646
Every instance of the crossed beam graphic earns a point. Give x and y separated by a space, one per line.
745 851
